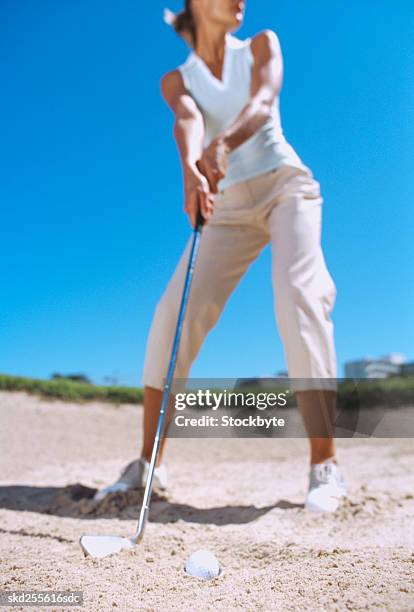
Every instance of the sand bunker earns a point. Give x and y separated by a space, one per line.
241 499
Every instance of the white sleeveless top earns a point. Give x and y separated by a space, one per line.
221 102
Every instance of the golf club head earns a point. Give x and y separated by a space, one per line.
101 546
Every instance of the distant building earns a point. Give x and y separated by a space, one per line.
393 364
407 369
370 367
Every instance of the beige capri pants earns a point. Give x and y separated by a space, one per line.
284 207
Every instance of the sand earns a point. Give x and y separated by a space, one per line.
241 499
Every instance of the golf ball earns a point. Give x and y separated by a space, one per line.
202 564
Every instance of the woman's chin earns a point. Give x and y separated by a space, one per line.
236 22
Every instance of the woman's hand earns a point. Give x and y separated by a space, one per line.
213 163
197 195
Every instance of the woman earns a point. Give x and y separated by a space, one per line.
252 189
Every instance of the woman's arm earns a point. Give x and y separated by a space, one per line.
267 77
189 135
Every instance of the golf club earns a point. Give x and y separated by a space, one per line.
100 546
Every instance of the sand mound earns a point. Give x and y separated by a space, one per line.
77 501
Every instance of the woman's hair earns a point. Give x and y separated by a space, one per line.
183 23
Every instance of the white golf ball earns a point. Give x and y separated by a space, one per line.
202 564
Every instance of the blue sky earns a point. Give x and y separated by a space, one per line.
91 189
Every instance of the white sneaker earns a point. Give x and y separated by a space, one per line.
134 476
326 487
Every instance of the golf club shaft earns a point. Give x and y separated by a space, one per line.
170 374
